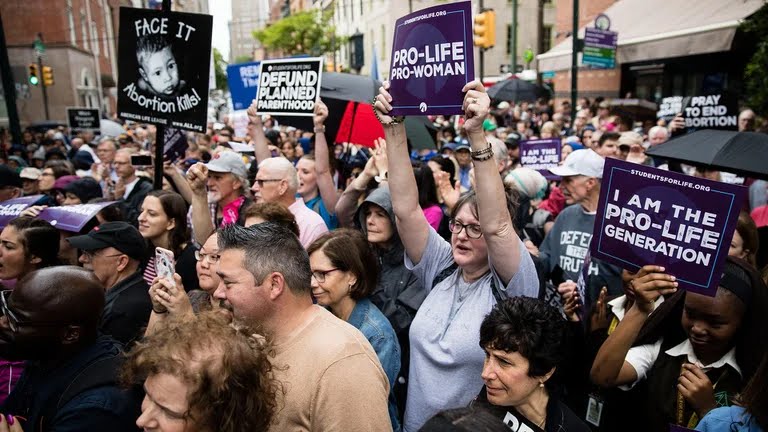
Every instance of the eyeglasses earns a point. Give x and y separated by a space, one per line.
261 181
14 322
93 254
211 258
320 275
473 230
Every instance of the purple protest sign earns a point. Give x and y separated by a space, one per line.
541 154
432 60
12 208
72 218
650 216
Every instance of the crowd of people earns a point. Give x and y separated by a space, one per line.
322 286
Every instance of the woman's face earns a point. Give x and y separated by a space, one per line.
46 180
506 379
307 177
468 252
737 246
712 322
288 150
71 199
378 224
153 222
13 260
165 405
566 151
206 271
336 285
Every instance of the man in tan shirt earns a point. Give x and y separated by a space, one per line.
331 376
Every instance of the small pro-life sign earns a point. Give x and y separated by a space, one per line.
83 118
289 87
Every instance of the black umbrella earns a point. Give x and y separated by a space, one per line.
421 132
516 90
743 153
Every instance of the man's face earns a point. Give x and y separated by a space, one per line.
575 188
609 149
160 71
103 263
123 167
658 137
266 187
30 187
246 298
463 158
106 152
221 185
9 192
746 122
46 180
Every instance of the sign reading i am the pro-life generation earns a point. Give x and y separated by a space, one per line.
650 216
289 87
72 218
243 81
541 155
84 118
432 59
12 208
163 62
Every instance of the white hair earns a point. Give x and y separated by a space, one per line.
656 129
282 168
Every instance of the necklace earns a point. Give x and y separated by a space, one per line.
469 286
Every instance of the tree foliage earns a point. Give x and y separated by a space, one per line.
306 32
755 76
219 68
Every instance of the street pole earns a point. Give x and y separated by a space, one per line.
575 59
9 88
513 38
482 53
43 86
160 133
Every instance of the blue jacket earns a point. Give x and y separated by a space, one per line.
728 419
377 329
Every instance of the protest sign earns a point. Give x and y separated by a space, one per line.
289 87
670 107
240 123
650 216
243 80
432 59
176 144
12 208
72 218
541 154
83 118
163 62
718 111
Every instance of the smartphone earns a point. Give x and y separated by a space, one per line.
141 160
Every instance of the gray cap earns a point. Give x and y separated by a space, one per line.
581 162
228 162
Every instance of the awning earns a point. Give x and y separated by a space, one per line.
658 29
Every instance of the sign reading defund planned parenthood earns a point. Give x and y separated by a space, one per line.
650 216
432 59
289 87
164 64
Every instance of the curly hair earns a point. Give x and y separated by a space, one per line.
227 369
529 327
349 250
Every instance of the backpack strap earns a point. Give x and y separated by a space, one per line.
498 294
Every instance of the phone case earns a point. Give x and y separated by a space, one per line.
164 266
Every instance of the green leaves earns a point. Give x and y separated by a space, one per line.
307 32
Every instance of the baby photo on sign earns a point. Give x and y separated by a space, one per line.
164 67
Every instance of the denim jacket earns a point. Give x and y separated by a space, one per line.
377 329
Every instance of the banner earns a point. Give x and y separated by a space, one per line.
432 59
12 208
650 216
163 63
84 118
289 87
243 80
670 107
72 218
541 154
717 111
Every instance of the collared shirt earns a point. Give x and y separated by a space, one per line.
311 225
129 187
618 305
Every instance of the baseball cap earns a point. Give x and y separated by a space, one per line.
30 173
489 125
581 162
119 235
227 162
463 145
448 146
9 177
85 188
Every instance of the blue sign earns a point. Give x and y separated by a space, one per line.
599 48
243 80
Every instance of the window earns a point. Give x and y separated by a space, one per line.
71 22
546 38
509 39
95 38
383 48
84 29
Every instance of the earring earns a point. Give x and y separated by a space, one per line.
541 384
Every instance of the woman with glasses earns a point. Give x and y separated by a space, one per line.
26 244
484 262
344 274
163 222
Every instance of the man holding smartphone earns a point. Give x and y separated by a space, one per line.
130 189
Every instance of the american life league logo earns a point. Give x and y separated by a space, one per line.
163 60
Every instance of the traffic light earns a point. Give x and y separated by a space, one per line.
47 76
485 29
34 78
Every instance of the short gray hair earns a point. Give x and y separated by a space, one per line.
282 168
499 150
656 129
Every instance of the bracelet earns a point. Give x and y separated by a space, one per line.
482 155
320 129
159 312
395 119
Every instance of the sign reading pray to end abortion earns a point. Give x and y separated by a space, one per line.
540 155
289 87
432 59
651 216
163 62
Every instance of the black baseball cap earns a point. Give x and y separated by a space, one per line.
9 177
119 235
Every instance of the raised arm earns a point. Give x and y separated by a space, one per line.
610 369
495 221
322 160
412 226
347 203
256 131
179 180
202 226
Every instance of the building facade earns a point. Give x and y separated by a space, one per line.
247 16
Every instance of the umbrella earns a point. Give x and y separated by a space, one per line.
111 128
514 89
359 125
741 153
421 132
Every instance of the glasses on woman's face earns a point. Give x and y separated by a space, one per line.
473 230
211 258
320 275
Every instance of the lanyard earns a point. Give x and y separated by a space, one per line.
693 420
614 323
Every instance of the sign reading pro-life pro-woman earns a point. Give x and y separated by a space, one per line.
650 216
432 59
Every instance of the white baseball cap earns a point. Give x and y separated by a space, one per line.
581 162
228 162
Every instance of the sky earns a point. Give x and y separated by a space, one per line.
222 14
